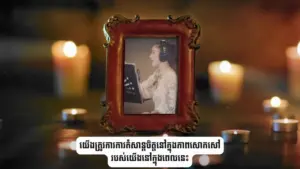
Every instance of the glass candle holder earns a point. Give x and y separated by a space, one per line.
236 136
285 125
73 115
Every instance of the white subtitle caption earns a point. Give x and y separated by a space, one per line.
150 152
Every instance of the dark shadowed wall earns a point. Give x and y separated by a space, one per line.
249 32
254 33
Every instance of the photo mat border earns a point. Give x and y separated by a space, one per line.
114 120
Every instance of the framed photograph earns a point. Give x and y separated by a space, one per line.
150 74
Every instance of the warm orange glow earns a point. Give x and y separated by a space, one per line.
70 49
225 66
83 50
275 101
73 111
57 48
69 133
298 49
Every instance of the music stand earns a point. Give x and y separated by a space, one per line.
131 84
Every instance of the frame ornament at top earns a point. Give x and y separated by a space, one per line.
190 105
113 22
186 19
192 25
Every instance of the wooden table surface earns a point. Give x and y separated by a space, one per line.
31 132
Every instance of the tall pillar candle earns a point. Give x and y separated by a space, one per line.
72 68
293 65
226 81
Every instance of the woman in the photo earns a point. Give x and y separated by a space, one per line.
161 86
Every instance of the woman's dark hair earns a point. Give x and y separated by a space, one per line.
168 53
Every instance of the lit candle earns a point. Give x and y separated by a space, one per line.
226 80
65 148
206 160
285 125
290 137
236 136
283 115
275 105
72 67
73 115
293 65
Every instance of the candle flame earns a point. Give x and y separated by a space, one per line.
275 101
285 120
225 66
73 111
70 49
298 49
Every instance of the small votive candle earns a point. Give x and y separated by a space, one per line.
236 136
206 160
275 104
285 125
73 115
226 81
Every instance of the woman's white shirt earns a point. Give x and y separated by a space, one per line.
162 88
